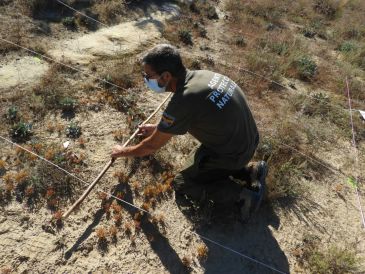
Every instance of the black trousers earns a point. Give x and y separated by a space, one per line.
202 178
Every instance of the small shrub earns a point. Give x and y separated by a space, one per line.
101 233
195 64
73 131
12 114
306 67
346 47
113 231
309 32
202 252
121 176
194 8
57 218
240 41
185 36
69 23
328 8
281 49
334 259
21 131
87 22
212 13
68 104
187 261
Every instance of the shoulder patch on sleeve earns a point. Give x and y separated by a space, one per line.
167 120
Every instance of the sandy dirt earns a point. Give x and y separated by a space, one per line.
22 71
29 246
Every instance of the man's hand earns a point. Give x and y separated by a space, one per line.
146 130
148 146
117 151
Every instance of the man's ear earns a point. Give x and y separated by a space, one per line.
167 76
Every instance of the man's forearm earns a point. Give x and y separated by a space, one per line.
148 146
140 150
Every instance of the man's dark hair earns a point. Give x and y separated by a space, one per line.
165 57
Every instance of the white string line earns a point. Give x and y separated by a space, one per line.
270 80
63 64
83 14
312 159
105 25
115 85
67 172
122 88
239 68
356 154
132 205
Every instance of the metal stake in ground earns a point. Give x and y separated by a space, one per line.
108 165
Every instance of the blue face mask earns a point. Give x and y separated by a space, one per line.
153 84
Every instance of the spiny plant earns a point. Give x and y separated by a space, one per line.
346 47
128 229
21 131
3 166
106 207
73 130
117 218
21 176
137 226
68 104
8 180
136 185
81 20
329 8
158 219
306 67
102 196
69 23
12 114
101 234
122 178
146 206
334 259
113 231
202 251
57 218
187 261
119 135
81 141
185 36
240 41
116 207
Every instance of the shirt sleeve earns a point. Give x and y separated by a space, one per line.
176 118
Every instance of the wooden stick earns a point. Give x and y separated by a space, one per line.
109 164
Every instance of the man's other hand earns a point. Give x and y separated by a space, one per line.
117 151
146 130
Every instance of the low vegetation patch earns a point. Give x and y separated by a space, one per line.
313 255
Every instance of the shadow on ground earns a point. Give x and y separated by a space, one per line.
253 239
160 245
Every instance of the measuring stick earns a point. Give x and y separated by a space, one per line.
108 165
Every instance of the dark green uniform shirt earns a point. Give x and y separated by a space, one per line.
213 109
